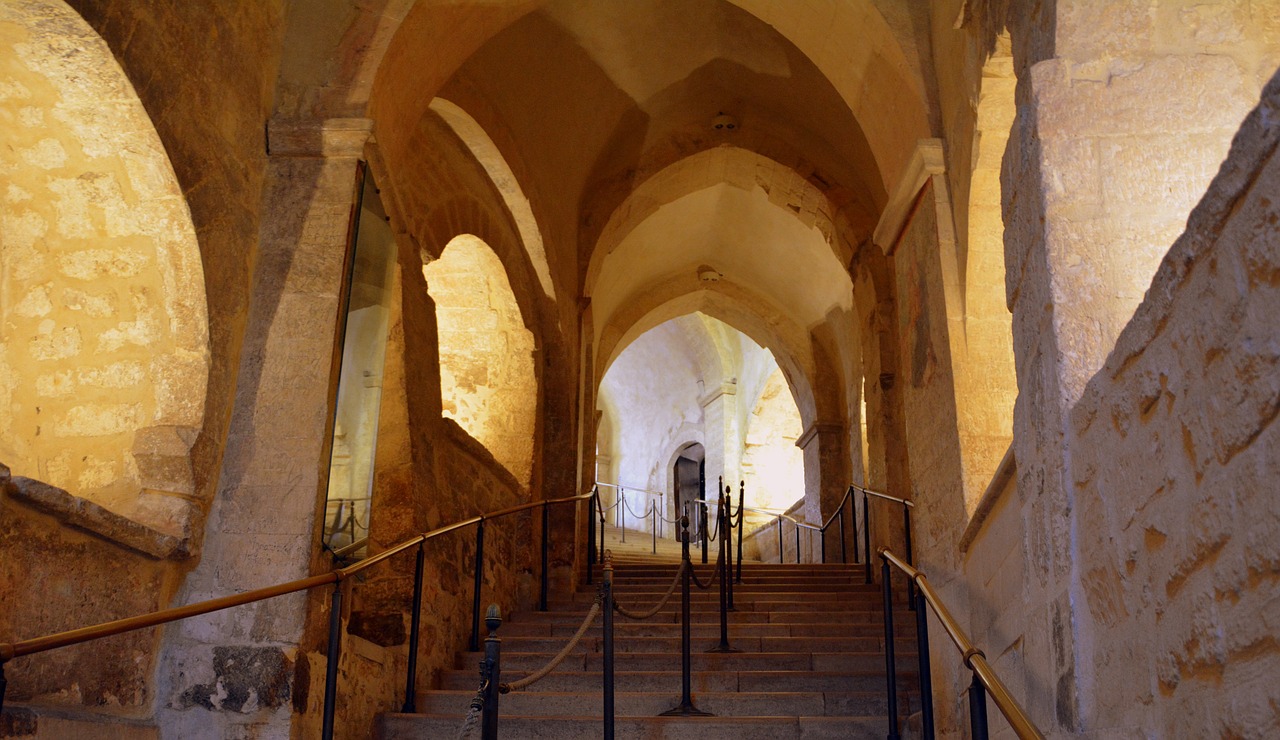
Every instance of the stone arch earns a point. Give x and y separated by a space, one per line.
746 312
874 77
104 370
741 168
487 376
486 153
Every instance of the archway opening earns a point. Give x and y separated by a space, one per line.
487 381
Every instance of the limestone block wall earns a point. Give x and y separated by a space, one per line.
104 359
1174 462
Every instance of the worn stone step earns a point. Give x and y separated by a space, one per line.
625 629
701 660
416 726
538 703
712 616
563 679
670 643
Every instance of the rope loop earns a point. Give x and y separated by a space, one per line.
657 607
541 673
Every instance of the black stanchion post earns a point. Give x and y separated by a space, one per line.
606 593
977 709
3 686
781 559
415 621
742 524
331 669
542 586
926 672
726 586
621 516
797 543
702 506
891 667
491 671
853 519
478 582
686 708
653 524
728 542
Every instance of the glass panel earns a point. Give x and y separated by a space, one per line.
364 350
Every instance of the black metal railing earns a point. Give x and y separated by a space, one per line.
335 577
985 681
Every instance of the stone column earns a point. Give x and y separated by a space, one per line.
232 672
824 447
723 437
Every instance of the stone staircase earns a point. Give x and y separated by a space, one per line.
812 662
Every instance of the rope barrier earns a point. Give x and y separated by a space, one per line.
661 602
555 662
473 713
632 513
714 574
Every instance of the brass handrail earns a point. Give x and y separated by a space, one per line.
885 496
11 650
974 659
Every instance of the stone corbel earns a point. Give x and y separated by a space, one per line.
727 388
329 137
816 429
926 161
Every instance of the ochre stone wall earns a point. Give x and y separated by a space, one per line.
1173 467
105 332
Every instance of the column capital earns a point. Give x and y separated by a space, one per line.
318 137
816 429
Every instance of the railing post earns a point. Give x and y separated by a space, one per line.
866 535
3 685
727 547
606 592
906 527
742 524
822 543
891 667
334 654
415 620
622 513
977 709
479 581
591 532
844 557
491 671
781 558
797 543
926 672
853 520
686 707
542 586
653 524
601 507
726 592
703 508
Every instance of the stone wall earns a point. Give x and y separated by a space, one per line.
1173 468
104 361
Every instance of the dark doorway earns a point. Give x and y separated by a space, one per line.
690 476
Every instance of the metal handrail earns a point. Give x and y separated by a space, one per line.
631 488
885 496
974 659
11 650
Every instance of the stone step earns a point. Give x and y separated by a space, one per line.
416 726
626 629
563 679
700 660
537 703
712 616
670 643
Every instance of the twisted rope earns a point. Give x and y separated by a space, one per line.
714 574
661 602
551 665
473 713
632 513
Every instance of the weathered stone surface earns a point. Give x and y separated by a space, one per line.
86 515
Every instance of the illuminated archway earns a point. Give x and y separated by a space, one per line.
104 366
487 381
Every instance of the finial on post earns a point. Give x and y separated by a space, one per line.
493 618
